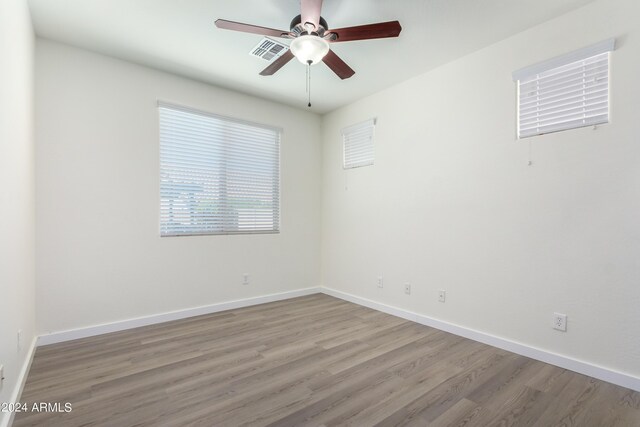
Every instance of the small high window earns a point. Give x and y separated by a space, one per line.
567 92
357 143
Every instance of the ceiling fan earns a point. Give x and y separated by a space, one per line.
311 36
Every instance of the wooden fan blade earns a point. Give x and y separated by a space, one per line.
310 11
370 31
248 28
337 65
277 64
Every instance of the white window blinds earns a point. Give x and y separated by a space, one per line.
217 175
565 93
358 144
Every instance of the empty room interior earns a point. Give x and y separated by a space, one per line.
320 213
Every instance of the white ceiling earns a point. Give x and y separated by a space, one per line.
179 36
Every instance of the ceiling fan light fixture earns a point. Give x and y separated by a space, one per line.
309 48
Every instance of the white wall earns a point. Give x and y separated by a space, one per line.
16 192
451 203
100 257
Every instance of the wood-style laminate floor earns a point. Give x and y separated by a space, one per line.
310 361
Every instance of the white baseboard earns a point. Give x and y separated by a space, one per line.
589 369
57 337
7 417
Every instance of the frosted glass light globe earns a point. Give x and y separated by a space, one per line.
309 48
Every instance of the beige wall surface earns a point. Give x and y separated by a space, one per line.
100 256
17 193
451 202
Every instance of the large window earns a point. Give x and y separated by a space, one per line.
563 93
217 175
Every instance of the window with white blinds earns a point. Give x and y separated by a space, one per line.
217 175
357 143
567 92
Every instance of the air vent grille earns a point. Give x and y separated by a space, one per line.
268 49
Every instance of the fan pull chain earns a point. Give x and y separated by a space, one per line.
309 82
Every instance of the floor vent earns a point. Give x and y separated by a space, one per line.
268 49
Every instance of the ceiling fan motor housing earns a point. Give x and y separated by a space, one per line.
298 28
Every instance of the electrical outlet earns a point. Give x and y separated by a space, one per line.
245 279
560 322
407 288
379 281
442 295
19 339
